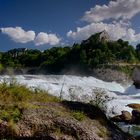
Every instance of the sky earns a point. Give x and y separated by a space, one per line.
41 24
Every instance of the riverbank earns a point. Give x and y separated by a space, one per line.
35 114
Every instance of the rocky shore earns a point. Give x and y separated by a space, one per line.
63 121
127 117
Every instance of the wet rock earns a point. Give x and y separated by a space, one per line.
134 106
124 117
136 116
117 118
137 84
136 78
127 117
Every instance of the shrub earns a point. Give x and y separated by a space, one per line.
78 115
100 99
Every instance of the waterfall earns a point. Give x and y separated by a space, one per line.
81 87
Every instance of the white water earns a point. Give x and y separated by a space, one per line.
82 88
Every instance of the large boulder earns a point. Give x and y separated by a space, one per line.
135 113
124 117
134 106
117 118
136 78
136 116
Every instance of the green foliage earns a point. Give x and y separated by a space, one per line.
125 69
100 99
14 98
89 54
80 116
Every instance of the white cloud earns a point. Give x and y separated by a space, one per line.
119 9
18 34
44 38
115 30
118 12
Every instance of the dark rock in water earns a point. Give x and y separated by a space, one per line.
137 84
127 117
124 117
117 118
136 116
136 78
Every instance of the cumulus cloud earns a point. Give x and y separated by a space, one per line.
44 38
18 34
115 30
119 9
118 12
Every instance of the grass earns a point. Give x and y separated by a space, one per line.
78 115
14 98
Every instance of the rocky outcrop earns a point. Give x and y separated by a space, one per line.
109 75
131 118
136 77
124 117
104 36
135 113
55 121
136 116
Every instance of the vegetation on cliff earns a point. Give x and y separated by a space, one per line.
94 52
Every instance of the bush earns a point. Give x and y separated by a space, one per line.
78 115
100 99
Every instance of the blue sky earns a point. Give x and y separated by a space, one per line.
41 24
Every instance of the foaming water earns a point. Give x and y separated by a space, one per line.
82 87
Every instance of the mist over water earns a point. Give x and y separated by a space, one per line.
82 88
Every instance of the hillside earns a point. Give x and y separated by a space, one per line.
34 114
96 52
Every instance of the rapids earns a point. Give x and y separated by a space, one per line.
81 87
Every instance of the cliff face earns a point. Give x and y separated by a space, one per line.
104 36
110 75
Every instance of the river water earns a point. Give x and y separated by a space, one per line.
81 87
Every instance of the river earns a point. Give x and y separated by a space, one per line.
82 87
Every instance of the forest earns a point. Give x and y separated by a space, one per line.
88 54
